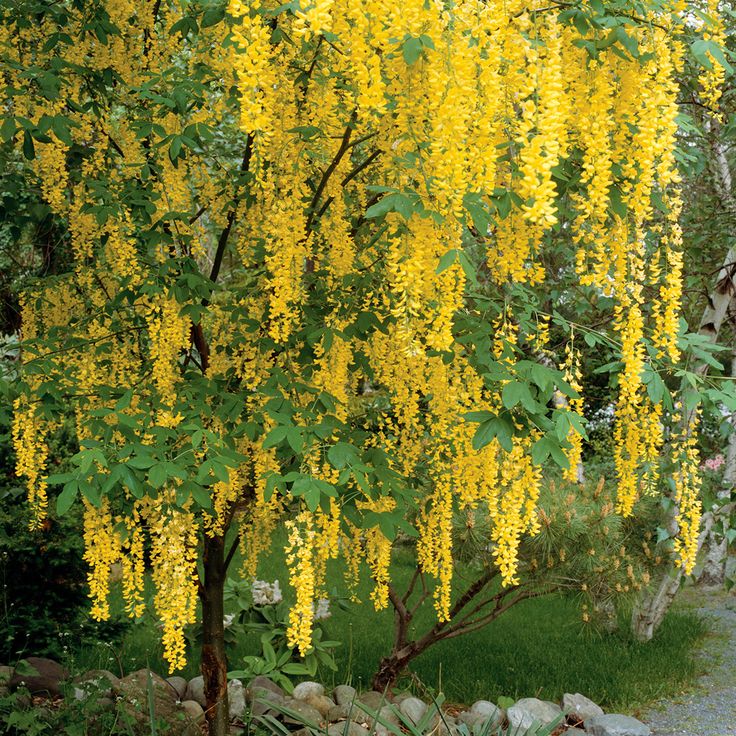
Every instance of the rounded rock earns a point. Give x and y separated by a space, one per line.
195 691
321 703
578 708
344 694
347 728
179 686
414 709
524 713
307 689
614 724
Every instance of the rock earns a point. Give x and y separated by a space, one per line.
193 718
387 715
578 708
100 682
6 672
305 689
40 675
261 682
483 716
340 712
414 709
524 713
105 703
616 725
344 694
321 703
373 699
573 732
195 691
193 710
304 714
484 708
235 699
179 684
134 694
261 694
347 728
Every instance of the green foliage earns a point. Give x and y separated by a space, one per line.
268 623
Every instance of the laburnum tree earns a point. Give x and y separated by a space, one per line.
277 311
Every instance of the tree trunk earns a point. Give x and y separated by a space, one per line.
655 602
214 661
713 574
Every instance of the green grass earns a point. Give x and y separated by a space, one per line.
538 648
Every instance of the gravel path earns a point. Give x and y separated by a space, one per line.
710 709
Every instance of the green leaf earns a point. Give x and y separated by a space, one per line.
412 49
66 498
341 455
157 475
212 16
29 150
275 437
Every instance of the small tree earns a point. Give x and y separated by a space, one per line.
306 249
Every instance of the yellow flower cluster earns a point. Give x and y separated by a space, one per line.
712 80
173 534
572 375
169 334
300 560
101 549
31 454
687 497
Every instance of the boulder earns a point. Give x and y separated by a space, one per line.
483 716
6 672
195 691
40 675
303 714
373 699
414 709
235 699
134 694
306 689
179 685
347 728
344 694
261 694
321 703
578 708
100 682
340 712
261 682
193 718
524 713
613 724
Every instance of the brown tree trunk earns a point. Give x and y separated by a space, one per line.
214 661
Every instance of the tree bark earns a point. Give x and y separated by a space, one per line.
716 520
214 661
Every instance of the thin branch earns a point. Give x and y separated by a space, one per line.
231 552
224 236
341 151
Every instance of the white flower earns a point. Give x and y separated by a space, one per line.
265 593
321 609
228 619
